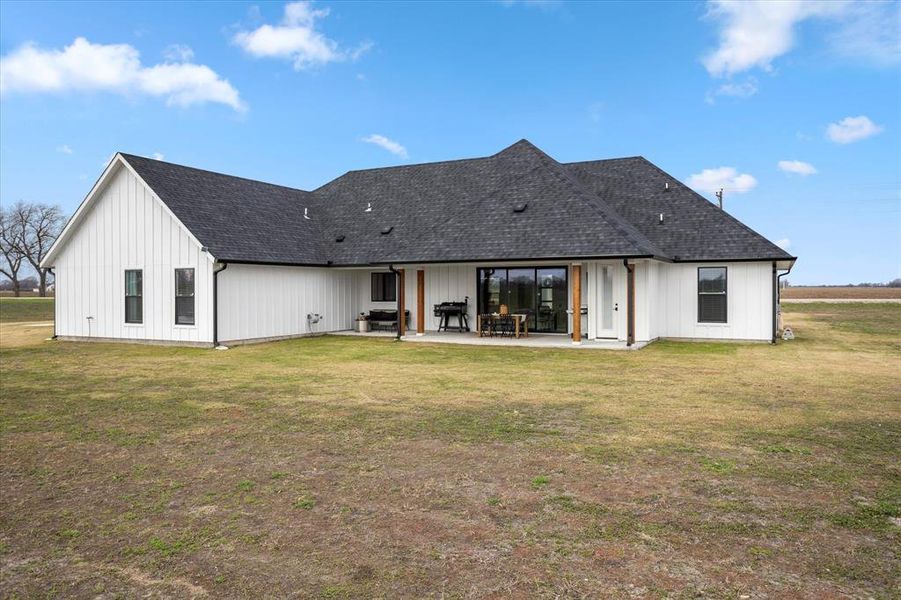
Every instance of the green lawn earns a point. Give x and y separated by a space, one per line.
25 309
345 468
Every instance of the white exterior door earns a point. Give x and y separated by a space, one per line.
605 301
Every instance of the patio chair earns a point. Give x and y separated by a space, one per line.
486 326
505 325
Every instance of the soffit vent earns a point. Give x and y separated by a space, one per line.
387 230
520 207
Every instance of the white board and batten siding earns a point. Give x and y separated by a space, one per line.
443 283
258 302
127 227
749 302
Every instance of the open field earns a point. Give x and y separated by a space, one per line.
344 468
15 310
855 293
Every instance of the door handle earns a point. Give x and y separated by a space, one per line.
616 306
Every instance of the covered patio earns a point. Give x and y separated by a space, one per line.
531 304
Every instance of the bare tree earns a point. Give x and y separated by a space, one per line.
36 227
13 257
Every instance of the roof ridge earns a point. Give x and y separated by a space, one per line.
616 220
126 156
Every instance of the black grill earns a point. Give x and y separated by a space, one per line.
446 310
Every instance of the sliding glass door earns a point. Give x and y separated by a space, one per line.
539 292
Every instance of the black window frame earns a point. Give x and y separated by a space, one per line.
383 286
724 294
139 296
182 297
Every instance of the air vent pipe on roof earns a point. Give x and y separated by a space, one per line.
368 207
386 230
306 213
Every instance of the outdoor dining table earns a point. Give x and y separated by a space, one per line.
520 323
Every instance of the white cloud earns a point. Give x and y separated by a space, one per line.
296 38
178 53
728 178
797 167
784 243
852 129
386 143
745 89
157 156
83 66
64 149
869 32
753 33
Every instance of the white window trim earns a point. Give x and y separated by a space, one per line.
122 305
174 296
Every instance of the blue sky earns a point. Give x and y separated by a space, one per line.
717 94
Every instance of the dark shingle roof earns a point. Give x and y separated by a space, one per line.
460 210
237 219
693 228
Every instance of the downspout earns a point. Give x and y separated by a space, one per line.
630 303
777 297
397 297
216 304
50 270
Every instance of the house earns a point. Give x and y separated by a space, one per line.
606 249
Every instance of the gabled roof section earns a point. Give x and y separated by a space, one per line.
693 228
518 204
237 219
463 210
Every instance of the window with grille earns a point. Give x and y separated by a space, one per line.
134 296
712 295
184 296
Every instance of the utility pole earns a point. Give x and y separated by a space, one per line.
719 196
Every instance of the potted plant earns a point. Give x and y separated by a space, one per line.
362 323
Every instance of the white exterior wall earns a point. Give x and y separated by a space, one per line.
257 301
749 302
127 227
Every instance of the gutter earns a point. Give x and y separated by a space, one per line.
50 270
397 293
216 304
777 297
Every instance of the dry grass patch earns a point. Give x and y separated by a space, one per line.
830 292
338 467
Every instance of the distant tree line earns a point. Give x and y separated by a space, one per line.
27 231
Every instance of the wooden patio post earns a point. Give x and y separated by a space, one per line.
420 302
401 303
577 303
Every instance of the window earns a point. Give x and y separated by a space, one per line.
184 296
384 287
712 295
134 296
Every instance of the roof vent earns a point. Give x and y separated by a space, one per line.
339 239
661 218
520 207
387 230
368 207
306 213
666 187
